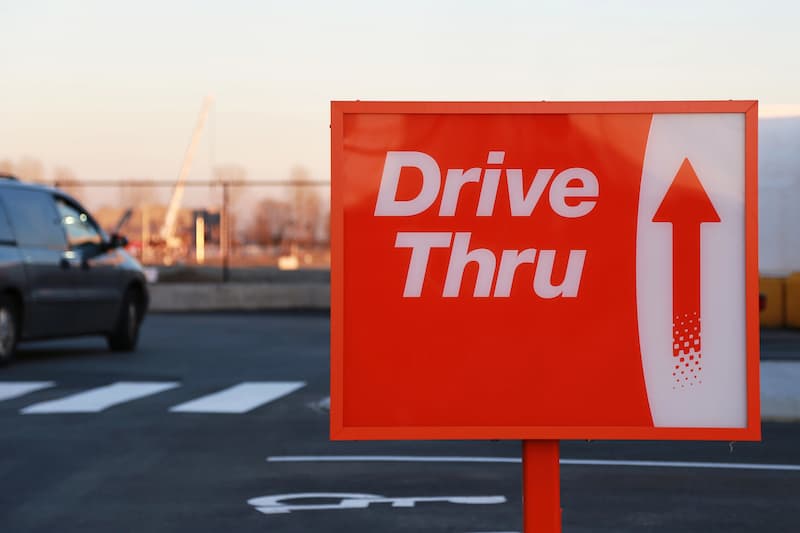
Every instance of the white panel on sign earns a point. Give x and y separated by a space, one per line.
687 387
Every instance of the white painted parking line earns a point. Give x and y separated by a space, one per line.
14 389
388 458
579 462
101 398
240 398
684 464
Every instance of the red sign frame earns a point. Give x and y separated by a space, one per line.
340 430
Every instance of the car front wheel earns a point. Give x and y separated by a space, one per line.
126 331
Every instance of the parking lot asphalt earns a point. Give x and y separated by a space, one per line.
780 344
217 423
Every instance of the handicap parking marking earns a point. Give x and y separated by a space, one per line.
287 503
14 389
239 398
100 398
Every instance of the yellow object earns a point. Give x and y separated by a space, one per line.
793 300
200 239
774 315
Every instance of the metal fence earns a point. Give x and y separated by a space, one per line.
215 229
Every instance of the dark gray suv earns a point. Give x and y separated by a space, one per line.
60 274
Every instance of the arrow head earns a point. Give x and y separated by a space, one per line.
686 200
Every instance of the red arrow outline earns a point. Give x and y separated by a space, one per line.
686 205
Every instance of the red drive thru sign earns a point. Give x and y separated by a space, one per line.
544 271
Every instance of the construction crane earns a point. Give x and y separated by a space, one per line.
167 237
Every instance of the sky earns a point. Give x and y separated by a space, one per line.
112 89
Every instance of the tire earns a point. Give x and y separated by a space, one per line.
9 329
126 331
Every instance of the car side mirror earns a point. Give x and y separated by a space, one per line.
117 241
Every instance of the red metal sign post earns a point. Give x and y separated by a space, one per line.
541 487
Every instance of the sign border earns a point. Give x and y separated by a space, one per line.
339 431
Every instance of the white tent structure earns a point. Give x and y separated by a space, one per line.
779 195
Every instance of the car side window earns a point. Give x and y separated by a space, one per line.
34 217
6 233
77 224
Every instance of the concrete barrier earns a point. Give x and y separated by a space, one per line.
239 296
780 391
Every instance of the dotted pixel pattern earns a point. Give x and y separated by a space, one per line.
686 351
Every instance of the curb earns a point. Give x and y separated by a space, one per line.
780 391
239 296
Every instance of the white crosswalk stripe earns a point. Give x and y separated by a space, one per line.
237 399
240 398
14 389
101 398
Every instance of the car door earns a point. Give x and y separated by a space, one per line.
42 245
96 267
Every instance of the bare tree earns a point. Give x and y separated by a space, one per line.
7 167
66 180
306 207
30 169
326 228
236 178
138 195
270 223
